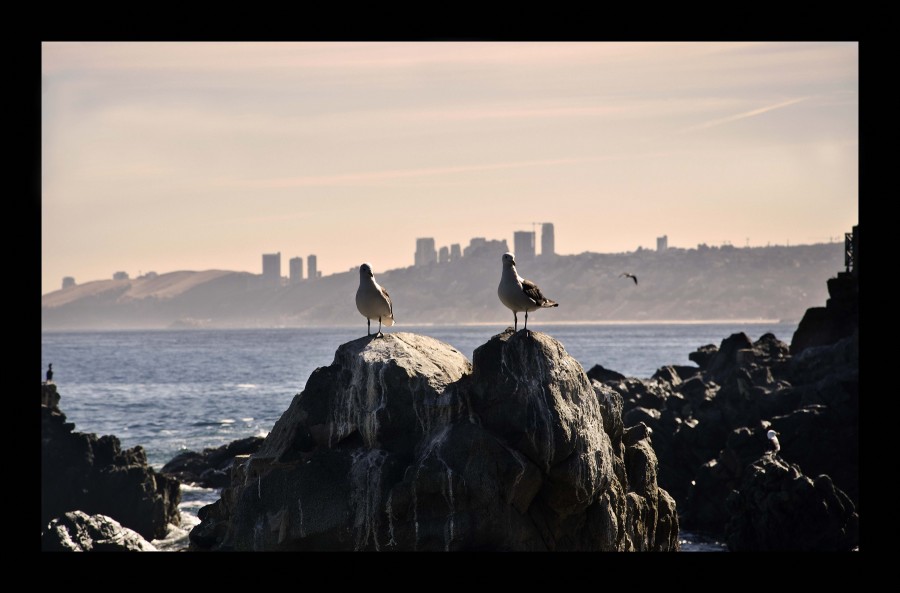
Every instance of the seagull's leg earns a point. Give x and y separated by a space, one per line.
526 322
379 328
516 321
368 326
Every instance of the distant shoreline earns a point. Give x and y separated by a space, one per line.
400 327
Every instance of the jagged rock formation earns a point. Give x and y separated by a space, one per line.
838 319
402 444
79 532
777 508
710 423
210 468
93 474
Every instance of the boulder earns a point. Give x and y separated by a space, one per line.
210 468
601 374
76 531
777 508
93 474
838 319
402 444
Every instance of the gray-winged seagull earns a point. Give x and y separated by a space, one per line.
627 275
373 301
519 294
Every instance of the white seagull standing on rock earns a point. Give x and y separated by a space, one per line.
774 445
519 294
373 301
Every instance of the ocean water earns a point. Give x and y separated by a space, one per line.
173 390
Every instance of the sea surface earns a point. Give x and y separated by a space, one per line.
186 389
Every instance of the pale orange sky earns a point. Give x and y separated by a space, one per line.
195 156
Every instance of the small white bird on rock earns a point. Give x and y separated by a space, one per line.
519 294
373 301
774 445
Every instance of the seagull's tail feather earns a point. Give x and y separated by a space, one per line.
548 303
388 321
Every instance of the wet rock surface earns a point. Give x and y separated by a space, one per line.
402 444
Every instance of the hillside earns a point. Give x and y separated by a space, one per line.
696 284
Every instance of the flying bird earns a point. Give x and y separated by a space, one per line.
519 294
774 445
373 301
627 275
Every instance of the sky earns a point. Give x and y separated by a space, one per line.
194 156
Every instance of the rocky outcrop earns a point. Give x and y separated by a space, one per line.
79 532
93 474
402 444
838 319
210 468
777 508
709 426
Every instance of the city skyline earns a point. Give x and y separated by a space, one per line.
196 156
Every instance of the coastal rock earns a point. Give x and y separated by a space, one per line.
210 468
838 319
402 444
93 474
709 426
777 508
598 373
76 531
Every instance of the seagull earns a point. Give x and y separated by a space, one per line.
773 441
373 301
519 294
627 275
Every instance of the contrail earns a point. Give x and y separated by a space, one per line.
744 115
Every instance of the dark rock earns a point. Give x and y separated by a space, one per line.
667 374
777 508
839 318
210 468
598 373
92 474
703 355
76 531
401 444
49 396
727 356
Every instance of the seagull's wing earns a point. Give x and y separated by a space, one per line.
387 297
534 293
633 277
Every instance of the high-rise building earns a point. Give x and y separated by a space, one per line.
68 281
481 247
425 252
523 242
662 243
444 255
271 269
455 252
548 239
312 271
296 269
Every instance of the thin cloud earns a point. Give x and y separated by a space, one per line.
365 178
744 115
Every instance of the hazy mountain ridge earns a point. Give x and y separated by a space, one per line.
697 284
